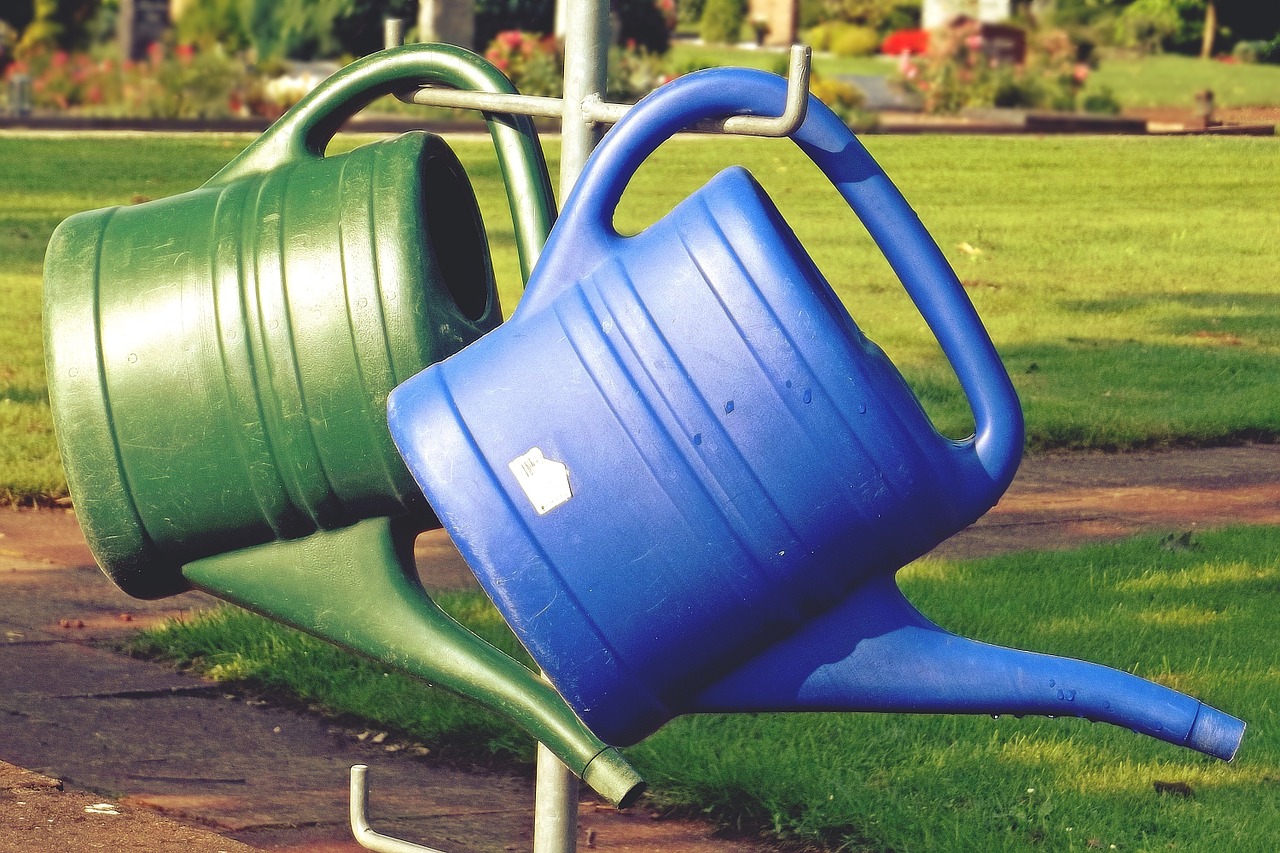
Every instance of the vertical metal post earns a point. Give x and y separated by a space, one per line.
555 806
585 26
392 32
586 55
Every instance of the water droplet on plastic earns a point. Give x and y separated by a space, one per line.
807 396
697 438
133 358
728 407
862 408
995 716
362 302
73 372
1052 683
788 383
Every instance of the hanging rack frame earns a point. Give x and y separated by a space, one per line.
598 111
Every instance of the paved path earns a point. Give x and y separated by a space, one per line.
155 743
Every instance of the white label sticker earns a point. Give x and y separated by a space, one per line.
545 481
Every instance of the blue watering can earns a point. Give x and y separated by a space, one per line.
687 479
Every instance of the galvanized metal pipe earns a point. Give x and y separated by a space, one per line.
365 835
585 115
586 56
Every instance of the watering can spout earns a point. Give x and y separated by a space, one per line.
357 587
876 652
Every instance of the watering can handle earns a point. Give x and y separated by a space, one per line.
304 131
910 250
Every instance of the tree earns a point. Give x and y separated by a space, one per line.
60 23
1210 29
722 21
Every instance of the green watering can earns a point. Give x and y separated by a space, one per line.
219 364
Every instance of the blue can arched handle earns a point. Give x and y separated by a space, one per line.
913 255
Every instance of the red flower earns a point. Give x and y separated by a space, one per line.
906 41
184 52
510 38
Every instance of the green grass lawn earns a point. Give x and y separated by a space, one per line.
1200 620
1129 283
1162 81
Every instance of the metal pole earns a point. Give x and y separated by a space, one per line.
586 55
555 806
392 32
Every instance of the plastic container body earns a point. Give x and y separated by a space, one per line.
687 479
219 362
681 447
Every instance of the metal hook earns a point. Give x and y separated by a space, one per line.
365 836
597 110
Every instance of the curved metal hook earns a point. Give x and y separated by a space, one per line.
365 836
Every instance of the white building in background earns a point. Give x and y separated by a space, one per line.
937 13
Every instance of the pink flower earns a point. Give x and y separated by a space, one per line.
973 42
510 38
1080 72
184 52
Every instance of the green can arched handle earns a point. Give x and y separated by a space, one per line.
304 131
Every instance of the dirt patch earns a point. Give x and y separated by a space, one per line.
1227 115
1065 500
39 814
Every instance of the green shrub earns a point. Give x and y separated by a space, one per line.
1101 101
531 60
1258 51
299 29
722 21
690 11
635 73
843 39
957 72
845 100
1151 26
818 37
854 40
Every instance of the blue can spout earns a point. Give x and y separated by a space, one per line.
876 652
